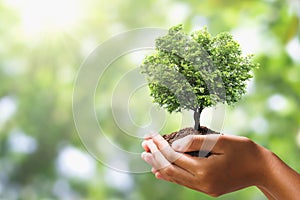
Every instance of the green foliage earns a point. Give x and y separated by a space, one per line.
196 71
37 73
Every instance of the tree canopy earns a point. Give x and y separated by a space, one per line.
197 70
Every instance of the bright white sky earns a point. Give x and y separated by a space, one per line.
39 16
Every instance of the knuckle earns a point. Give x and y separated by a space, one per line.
247 141
244 139
222 140
195 142
200 173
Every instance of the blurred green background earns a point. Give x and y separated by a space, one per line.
42 45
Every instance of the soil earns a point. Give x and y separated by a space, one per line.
188 131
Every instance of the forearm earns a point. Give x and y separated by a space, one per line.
281 182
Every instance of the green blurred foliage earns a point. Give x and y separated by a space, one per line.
39 58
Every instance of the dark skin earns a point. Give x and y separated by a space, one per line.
236 162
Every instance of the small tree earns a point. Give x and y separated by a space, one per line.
196 71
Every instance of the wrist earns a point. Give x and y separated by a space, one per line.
265 168
278 179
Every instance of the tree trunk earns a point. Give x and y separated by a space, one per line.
197 114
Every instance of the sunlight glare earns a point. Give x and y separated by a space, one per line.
39 16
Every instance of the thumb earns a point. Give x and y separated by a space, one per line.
183 144
205 143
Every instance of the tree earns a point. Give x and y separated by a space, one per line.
196 71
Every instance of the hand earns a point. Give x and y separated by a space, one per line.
235 163
226 170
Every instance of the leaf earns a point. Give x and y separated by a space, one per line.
196 70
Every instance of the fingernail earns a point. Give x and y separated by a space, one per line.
158 176
143 155
144 143
146 157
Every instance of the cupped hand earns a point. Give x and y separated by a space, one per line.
234 163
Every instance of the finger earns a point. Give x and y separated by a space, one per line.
158 175
202 143
154 170
155 158
150 135
178 175
183 144
168 171
181 160
145 146
151 160
165 148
